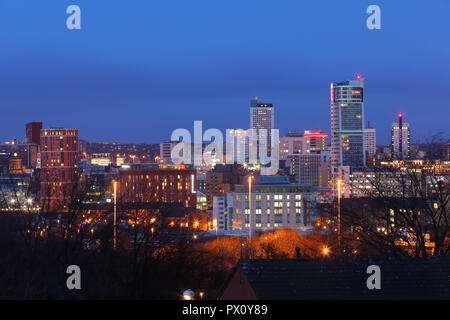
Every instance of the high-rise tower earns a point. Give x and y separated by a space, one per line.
347 123
33 132
59 168
400 139
262 117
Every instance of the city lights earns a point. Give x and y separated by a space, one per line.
149 167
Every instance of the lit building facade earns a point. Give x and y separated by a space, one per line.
347 123
315 140
220 212
305 168
262 117
400 140
370 141
292 143
59 168
101 159
275 204
152 183
370 182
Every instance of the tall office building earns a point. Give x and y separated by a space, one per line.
347 123
33 139
370 140
400 139
59 168
262 117
33 132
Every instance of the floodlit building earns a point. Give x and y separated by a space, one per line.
275 203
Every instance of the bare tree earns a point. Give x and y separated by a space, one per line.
398 209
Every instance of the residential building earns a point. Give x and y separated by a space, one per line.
220 212
400 139
59 168
141 183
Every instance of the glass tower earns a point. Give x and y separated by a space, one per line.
262 117
347 123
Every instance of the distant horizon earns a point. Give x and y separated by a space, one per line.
137 72
22 139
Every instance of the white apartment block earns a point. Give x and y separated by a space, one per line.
370 141
274 202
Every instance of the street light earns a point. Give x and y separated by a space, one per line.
339 211
215 225
115 214
188 294
250 178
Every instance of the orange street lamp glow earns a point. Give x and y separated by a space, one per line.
325 251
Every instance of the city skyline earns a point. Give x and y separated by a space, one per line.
170 65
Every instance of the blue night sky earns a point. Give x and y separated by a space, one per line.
139 69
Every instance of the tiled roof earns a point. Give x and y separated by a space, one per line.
325 279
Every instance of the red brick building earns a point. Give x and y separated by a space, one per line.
33 132
170 185
59 168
